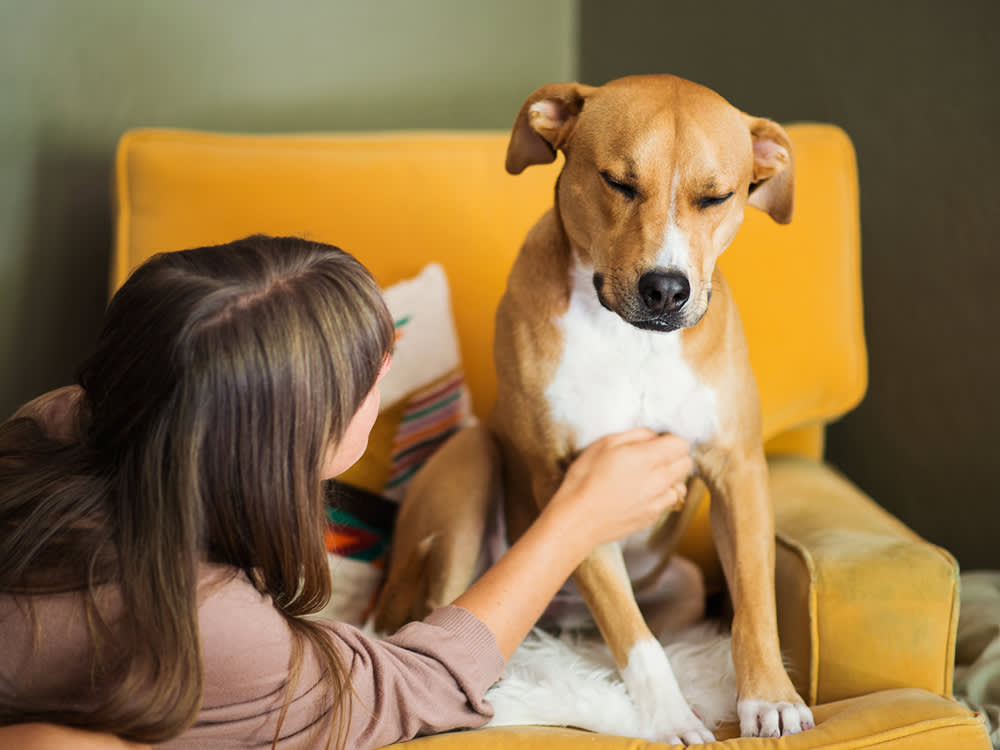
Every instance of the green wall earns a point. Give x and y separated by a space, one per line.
74 75
914 83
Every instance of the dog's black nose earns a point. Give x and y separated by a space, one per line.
664 291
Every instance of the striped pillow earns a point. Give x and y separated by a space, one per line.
431 417
424 402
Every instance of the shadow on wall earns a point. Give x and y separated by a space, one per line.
63 293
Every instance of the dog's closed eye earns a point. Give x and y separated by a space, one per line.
629 191
708 201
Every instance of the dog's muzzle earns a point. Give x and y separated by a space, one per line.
658 303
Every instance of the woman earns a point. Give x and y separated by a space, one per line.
162 525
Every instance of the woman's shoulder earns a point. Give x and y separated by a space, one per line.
49 647
247 651
245 640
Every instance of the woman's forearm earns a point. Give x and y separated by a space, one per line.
512 594
618 485
55 737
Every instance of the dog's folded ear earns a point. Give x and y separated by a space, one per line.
544 123
773 187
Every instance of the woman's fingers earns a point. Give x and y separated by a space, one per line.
668 444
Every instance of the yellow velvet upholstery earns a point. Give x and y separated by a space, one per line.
862 596
399 200
904 719
867 610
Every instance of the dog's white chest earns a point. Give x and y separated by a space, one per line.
613 376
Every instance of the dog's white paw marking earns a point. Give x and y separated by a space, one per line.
664 713
767 719
697 736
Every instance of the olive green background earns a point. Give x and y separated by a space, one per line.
913 83
74 74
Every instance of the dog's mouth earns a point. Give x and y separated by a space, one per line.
664 323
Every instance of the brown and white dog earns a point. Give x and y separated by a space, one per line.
616 316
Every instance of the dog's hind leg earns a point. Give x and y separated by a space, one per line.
439 529
672 594
667 534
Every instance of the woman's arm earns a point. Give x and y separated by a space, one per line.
619 485
56 737
431 675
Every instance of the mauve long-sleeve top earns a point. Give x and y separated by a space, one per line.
429 677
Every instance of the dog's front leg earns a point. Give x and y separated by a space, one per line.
604 583
743 528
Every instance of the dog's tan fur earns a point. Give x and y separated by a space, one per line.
675 143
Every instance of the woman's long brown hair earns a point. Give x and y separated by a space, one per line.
220 378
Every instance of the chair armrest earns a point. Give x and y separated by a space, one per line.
864 604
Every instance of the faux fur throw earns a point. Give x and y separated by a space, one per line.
571 681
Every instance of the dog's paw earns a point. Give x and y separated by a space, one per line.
685 729
690 736
664 714
766 719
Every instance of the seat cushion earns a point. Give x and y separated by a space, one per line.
906 719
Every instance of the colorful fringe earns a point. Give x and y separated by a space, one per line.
348 536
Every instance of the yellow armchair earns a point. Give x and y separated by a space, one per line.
867 610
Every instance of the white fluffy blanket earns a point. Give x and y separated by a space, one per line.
572 681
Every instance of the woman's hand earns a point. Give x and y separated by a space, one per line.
623 483
618 485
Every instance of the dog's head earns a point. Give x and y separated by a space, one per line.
657 175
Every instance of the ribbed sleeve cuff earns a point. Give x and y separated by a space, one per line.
479 640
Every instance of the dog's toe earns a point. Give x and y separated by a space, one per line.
694 734
697 737
686 731
773 719
769 721
795 718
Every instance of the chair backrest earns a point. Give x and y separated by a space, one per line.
400 200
